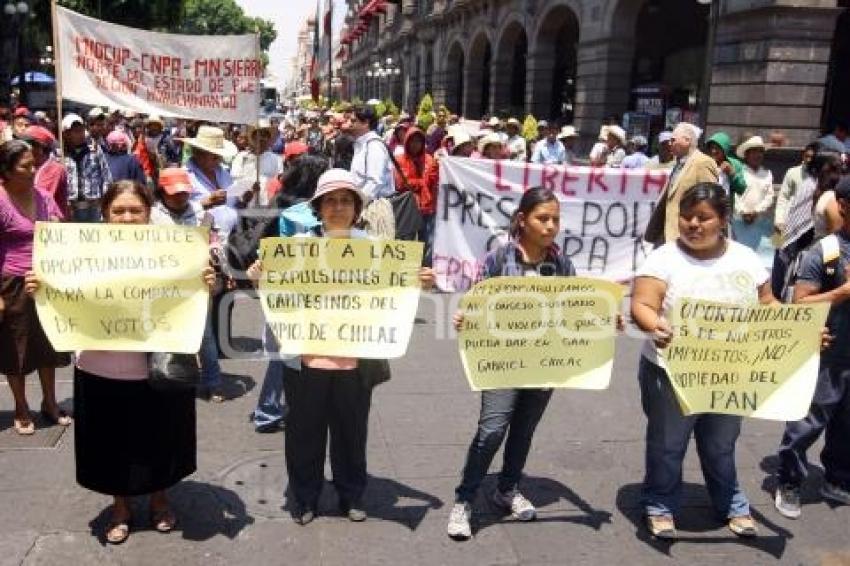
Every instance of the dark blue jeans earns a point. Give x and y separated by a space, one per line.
668 434
514 412
830 410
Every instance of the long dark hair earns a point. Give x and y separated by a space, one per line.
711 193
299 181
532 197
10 153
126 186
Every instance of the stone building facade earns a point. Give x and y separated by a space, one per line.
777 67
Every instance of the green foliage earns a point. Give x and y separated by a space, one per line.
160 15
380 109
529 128
425 116
391 108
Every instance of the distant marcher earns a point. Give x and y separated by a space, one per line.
123 166
50 174
419 174
371 163
516 144
752 221
549 151
664 159
569 137
616 146
88 171
636 157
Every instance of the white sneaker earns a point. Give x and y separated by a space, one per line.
513 501
459 527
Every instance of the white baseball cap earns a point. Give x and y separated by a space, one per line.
70 119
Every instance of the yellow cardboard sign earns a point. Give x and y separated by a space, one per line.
539 332
755 361
121 287
340 297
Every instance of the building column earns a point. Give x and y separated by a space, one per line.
538 90
603 82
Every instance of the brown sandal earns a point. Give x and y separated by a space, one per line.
163 520
24 427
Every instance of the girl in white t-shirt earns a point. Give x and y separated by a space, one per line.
701 264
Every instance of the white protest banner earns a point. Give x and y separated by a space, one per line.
198 77
603 215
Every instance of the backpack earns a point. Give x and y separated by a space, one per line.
395 217
830 256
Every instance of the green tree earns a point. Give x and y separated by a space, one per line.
425 116
160 15
529 129
391 108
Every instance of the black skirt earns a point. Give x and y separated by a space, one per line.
131 439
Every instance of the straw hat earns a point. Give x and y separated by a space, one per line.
262 124
458 135
568 132
489 139
211 140
603 133
754 142
618 133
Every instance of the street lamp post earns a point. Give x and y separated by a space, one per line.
17 14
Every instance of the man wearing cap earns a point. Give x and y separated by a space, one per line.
50 175
635 156
88 171
664 159
692 167
97 129
823 278
159 144
549 150
123 165
516 144
371 163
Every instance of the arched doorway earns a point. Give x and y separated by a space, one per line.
477 101
669 64
454 79
510 82
555 65
835 107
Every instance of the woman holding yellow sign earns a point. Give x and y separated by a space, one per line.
512 412
330 396
701 264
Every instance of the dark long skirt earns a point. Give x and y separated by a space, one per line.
131 439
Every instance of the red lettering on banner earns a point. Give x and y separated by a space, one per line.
161 64
500 185
565 181
547 177
596 177
657 179
88 47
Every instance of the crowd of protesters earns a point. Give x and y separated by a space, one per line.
318 171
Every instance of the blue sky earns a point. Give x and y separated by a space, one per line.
288 16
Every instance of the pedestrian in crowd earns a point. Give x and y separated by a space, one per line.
599 151
371 163
692 167
824 170
514 413
636 157
343 151
616 146
131 439
549 151
21 120
823 278
731 174
791 183
516 145
457 143
495 125
418 172
140 150
97 130
436 132
50 175
315 138
210 178
569 136
88 171
173 207
396 143
160 144
330 394
664 159
702 263
490 146
122 164
752 221
838 140
244 165
24 347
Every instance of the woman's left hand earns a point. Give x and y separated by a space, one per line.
427 278
31 283
208 275
825 338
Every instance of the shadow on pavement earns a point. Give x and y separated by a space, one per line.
810 490
698 518
203 511
237 385
543 492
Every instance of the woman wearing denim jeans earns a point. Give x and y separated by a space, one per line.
701 264
512 412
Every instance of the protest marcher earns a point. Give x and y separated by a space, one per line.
569 137
21 120
396 142
244 166
343 151
511 412
329 394
616 146
299 185
371 163
664 159
636 157
838 140
123 165
24 347
495 125
791 183
140 150
549 151
824 169
159 143
50 175
692 167
752 220
97 129
516 144
419 173
315 139
719 147
173 206
209 177
490 146
599 151
822 277
702 263
87 171
436 132
131 439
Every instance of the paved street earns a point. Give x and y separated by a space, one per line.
583 473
